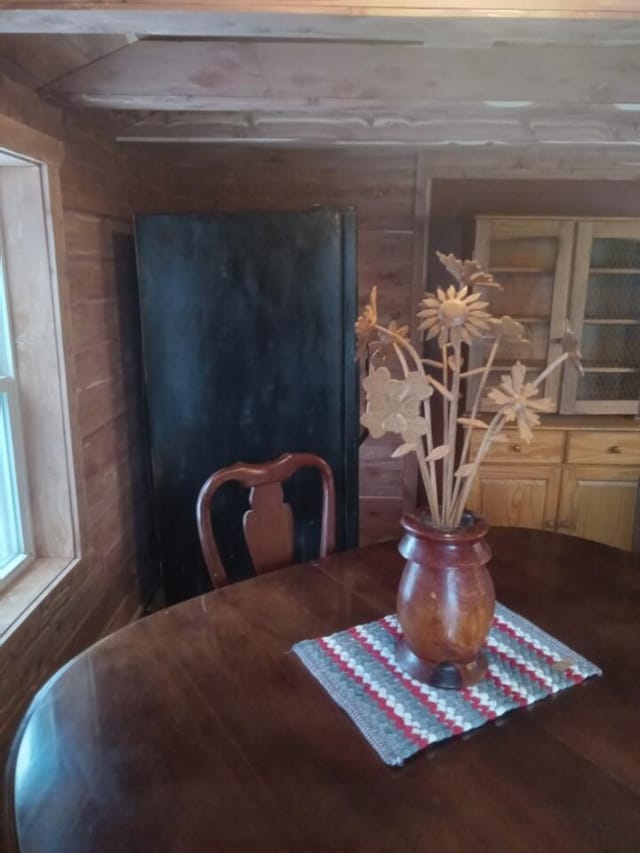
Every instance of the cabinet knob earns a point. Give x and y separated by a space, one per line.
615 448
549 525
516 448
564 524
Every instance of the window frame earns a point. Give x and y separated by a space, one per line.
9 390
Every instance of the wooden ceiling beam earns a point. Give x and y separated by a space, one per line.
205 75
442 31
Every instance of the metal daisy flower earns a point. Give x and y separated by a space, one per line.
515 398
393 405
454 315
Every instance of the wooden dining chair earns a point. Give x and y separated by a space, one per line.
268 524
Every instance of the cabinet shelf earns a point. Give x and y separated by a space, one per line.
529 363
614 271
605 369
610 321
520 270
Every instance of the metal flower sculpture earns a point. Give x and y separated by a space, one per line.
404 406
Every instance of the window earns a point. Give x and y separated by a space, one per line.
16 546
39 524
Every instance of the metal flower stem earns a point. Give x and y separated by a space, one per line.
451 436
556 363
474 413
445 433
495 427
428 477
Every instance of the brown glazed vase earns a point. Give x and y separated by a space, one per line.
445 601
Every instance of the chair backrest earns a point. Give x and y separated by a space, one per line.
268 525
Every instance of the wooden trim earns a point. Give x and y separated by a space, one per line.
25 141
560 304
442 122
582 260
636 523
421 209
578 9
61 309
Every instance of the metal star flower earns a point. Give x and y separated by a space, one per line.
515 398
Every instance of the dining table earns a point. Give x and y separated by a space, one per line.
197 729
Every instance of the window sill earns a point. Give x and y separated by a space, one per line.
20 597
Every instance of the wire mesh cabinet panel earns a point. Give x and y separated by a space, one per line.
605 314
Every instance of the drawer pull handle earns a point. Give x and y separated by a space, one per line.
615 448
516 448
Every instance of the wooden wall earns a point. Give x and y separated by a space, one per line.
381 186
93 194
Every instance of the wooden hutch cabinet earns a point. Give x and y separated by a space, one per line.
580 473
577 476
582 271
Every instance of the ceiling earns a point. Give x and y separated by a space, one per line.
477 79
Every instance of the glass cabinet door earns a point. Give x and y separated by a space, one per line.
605 314
531 258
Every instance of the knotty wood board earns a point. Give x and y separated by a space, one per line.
173 74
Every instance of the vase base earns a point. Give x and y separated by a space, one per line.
449 675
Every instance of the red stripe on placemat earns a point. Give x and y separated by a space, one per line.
396 719
487 712
525 669
477 703
509 691
507 629
506 689
407 684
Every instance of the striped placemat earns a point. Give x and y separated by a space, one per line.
399 716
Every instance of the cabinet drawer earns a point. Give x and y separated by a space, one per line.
546 446
604 448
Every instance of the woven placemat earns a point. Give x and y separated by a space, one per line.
399 716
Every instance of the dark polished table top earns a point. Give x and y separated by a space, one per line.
195 730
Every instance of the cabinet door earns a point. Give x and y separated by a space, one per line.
531 258
605 314
517 496
598 502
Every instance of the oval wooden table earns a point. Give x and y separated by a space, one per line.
195 729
